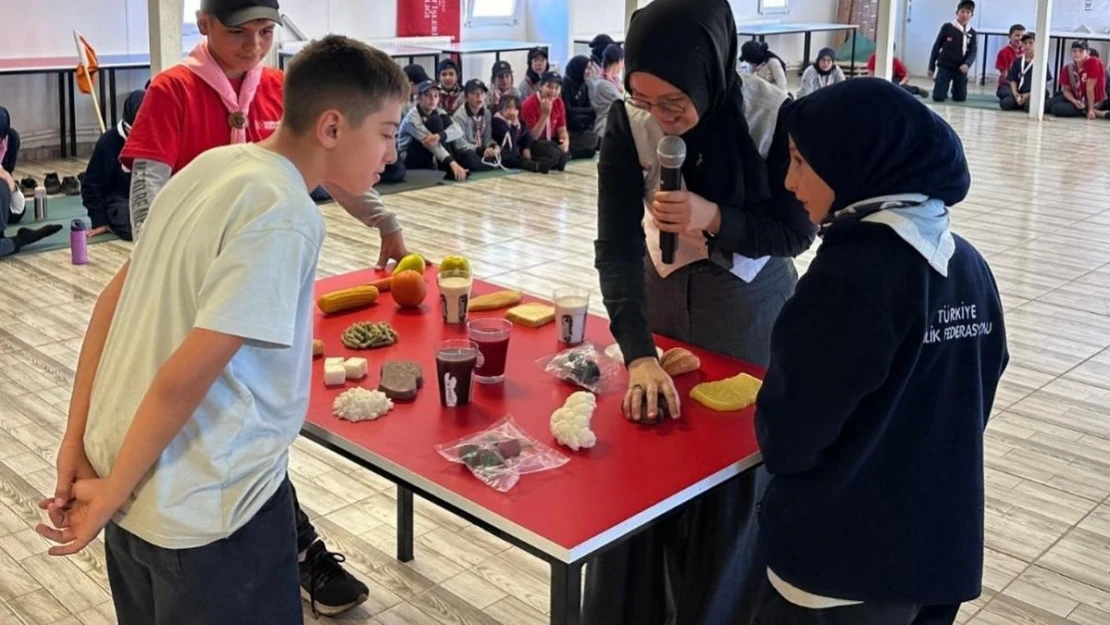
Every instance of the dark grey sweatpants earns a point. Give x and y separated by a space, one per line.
248 578
703 565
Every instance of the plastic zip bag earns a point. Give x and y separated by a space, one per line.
502 453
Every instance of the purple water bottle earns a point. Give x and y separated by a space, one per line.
78 242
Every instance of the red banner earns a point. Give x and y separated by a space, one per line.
429 18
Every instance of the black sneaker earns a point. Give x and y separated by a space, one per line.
27 186
70 186
52 183
326 585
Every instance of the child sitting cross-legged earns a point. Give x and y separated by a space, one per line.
476 122
823 73
429 138
516 142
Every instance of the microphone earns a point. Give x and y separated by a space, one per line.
671 153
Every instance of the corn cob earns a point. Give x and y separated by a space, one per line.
346 299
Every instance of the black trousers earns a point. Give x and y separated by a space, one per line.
119 217
946 78
774 610
306 531
11 157
1062 108
248 578
583 144
916 91
549 151
394 173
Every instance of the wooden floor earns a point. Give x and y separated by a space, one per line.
1039 210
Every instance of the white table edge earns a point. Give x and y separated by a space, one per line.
794 29
522 534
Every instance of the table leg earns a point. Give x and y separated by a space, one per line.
114 95
404 524
71 82
852 67
103 88
62 112
805 50
986 46
566 593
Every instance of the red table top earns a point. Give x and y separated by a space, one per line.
634 474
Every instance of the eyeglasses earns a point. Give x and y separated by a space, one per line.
666 108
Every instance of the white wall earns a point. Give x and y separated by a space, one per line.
44 28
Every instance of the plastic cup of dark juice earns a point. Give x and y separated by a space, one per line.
492 338
456 360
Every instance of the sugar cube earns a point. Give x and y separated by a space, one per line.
355 367
334 375
333 362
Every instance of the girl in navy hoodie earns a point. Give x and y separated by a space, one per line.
883 370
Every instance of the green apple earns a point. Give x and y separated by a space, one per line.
455 263
412 262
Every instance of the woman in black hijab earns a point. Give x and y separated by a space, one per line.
107 184
9 142
738 229
581 115
765 64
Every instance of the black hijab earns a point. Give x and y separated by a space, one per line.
5 123
825 52
757 53
884 142
692 45
576 95
598 45
131 106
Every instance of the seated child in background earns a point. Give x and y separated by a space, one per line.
953 54
823 73
450 98
607 88
537 67
12 208
428 134
598 45
106 192
516 142
476 122
1006 57
544 115
417 75
501 78
765 64
1083 86
581 115
900 76
890 349
1096 55
187 417
9 142
1019 80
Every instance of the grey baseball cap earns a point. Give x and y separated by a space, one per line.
239 12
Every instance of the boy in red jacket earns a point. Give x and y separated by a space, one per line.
1006 57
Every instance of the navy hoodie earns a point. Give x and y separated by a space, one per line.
884 366
948 50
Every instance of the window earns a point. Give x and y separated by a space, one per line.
189 11
767 7
491 12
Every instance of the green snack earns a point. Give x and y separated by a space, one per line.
487 459
369 335
469 455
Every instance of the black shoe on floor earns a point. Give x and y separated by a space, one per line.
27 186
52 183
81 178
70 186
27 236
326 585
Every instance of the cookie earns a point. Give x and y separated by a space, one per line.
678 361
401 380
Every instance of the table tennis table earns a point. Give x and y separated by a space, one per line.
566 516
66 69
762 31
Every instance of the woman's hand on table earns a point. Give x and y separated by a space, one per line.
646 381
683 211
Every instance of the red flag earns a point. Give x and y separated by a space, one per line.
87 65
429 18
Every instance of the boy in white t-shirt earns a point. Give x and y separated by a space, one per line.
182 414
